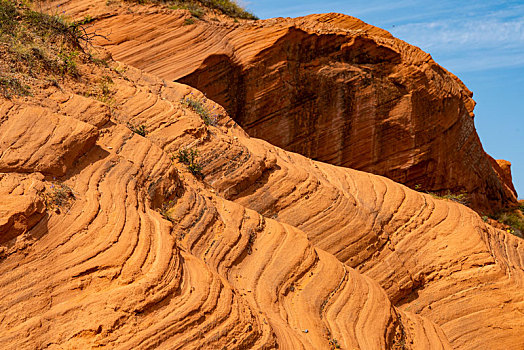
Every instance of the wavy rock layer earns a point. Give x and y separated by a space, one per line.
270 249
327 86
434 257
147 256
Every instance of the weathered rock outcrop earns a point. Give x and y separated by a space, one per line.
265 249
150 256
330 87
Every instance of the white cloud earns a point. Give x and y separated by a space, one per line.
454 34
492 41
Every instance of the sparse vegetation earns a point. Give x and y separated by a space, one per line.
189 21
10 86
199 107
193 8
36 48
104 86
57 197
189 157
333 344
139 129
227 7
461 198
164 210
69 65
513 219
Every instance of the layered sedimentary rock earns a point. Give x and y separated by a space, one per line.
268 249
108 240
435 257
329 87
145 255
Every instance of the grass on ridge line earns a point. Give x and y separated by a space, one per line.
38 48
514 218
227 7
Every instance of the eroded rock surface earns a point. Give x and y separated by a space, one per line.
149 256
267 245
265 249
330 87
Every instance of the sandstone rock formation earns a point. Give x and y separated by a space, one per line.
266 249
330 87
150 256
112 271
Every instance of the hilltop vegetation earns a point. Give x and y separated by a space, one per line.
227 7
38 49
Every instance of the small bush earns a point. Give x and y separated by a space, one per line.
193 8
229 8
10 86
164 210
333 344
513 219
189 157
57 197
189 21
8 15
69 65
461 198
140 129
199 107
104 86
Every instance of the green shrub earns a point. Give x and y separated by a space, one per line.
333 344
514 218
189 157
69 65
461 198
164 210
192 7
140 129
229 8
57 196
105 91
8 14
199 107
10 86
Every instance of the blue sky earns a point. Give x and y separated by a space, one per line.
482 42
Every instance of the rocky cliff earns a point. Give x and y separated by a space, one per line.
111 237
329 87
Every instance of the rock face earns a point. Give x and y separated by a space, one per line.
505 173
329 87
264 249
149 256
269 249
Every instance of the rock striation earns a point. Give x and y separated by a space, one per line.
109 239
149 256
268 249
329 87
